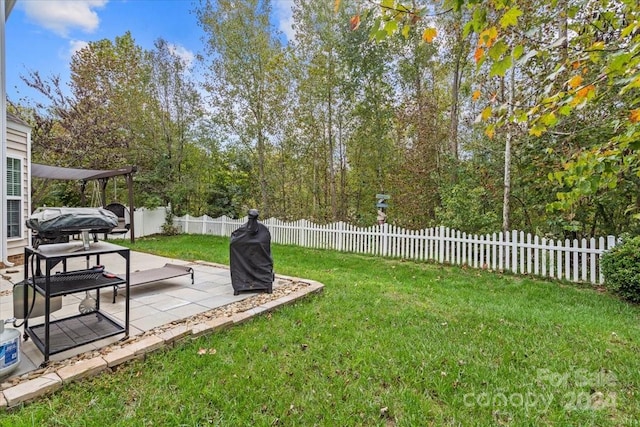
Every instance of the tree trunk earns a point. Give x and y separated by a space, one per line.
331 148
506 207
453 127
455 103
262 176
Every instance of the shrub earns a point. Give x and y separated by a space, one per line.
168 229
621 269
468 208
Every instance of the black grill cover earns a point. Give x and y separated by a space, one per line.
53 222
250 257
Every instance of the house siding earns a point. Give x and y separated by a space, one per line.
19 147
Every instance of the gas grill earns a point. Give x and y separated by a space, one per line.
55 225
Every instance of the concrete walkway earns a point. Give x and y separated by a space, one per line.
152 305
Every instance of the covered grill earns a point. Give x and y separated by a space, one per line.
52 224
250 258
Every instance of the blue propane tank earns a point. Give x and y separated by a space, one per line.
9 349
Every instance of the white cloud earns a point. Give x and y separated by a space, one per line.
183 53
60 16
76 45
283 15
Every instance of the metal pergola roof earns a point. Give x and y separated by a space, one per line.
56 172
84 175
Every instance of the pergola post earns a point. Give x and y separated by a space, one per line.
132 208
103 191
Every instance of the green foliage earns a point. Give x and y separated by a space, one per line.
469 208
59 193
621 269
590 53
168 228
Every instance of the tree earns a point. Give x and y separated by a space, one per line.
171 118
244 59
97 116
422 131
124 106
108 89
92 124
370 151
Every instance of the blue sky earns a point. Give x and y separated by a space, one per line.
41 35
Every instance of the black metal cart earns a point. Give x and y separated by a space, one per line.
52 337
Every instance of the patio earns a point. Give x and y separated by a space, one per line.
174 308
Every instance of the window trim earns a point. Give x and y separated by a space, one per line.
19 198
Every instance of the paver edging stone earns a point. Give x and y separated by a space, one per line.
82 369
120 356
242 317
146 345
179 332
210 326
32 389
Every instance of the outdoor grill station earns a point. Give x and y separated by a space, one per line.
40 293
43 288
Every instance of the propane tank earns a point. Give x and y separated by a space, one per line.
9 348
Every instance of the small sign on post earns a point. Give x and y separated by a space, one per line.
381 205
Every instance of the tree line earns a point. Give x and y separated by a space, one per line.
429 106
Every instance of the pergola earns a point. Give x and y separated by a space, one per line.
84 175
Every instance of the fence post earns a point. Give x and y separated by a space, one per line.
303 233
514 251
536 255
385 236
611 242
440 244
559 252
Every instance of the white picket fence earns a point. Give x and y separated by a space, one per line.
515 252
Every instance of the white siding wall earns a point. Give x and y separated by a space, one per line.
19 147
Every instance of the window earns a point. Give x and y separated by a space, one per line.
14 197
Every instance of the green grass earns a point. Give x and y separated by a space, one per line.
388 342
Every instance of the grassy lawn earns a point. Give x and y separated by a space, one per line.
388 343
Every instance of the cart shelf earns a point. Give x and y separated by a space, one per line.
63 284
75 331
